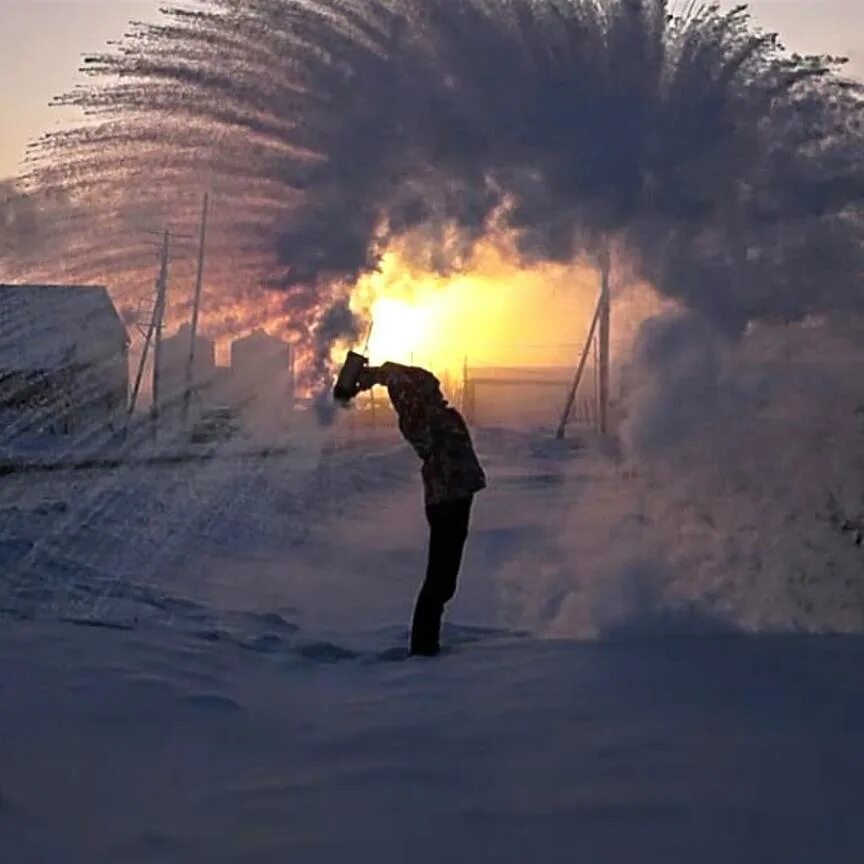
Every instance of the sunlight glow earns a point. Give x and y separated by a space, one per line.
495 312
400 329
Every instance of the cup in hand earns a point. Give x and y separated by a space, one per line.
347 384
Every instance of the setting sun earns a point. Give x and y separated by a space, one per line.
400 329
496 313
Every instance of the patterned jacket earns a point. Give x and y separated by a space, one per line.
436 431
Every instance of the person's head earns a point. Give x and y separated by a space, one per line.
429 390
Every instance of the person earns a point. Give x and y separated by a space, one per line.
451 474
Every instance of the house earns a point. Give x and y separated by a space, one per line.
64 359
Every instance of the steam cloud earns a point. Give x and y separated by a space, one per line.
731 172
337 323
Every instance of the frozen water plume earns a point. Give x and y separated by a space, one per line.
737 504
728 172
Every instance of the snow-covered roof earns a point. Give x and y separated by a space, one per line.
50 326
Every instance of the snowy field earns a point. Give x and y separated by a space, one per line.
197 665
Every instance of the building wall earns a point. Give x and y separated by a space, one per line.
64 363
100 389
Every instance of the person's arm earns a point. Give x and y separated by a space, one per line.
383 375
407 388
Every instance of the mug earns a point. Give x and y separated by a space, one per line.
346 383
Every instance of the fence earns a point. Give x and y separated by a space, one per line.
525 396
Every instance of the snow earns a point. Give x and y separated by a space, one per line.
236 697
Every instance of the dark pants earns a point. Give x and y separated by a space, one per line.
448 530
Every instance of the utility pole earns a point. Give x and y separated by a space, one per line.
154 327
467 395
595 406
148 336
158 320
577 380
196 305
605 332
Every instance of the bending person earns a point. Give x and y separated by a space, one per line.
451 476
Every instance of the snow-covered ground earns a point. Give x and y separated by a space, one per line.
196 665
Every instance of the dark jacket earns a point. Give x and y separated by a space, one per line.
437 433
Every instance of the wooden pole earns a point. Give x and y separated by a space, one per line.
464 383
605 331
196 306
140 373
158 318
596 405
468 400
571 396
152 327
292 379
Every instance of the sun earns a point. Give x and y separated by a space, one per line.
496 312
400 330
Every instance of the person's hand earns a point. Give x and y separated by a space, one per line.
367 378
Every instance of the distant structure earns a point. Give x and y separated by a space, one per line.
220 390
64 360
262 380
520 396
173 362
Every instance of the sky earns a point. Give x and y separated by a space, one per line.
42 41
